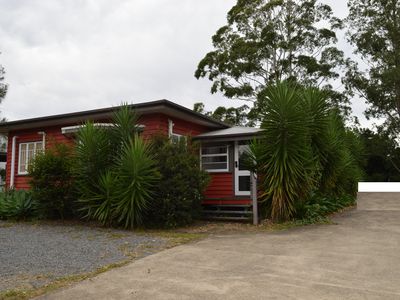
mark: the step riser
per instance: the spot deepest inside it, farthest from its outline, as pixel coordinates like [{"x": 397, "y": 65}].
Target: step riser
[{"x": 228, "y": 212}]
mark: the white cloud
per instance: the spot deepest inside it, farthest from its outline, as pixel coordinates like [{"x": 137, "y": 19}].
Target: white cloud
[{"x": 70, "y": 55}]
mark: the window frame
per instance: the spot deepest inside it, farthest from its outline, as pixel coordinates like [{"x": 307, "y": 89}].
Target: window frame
[
  {"x": 176, "y": 138},
  {"x": 215, "y": 155},
  {"x": 35, "y": 151}
]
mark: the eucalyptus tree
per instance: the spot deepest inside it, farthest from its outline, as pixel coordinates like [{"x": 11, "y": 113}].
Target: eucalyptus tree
[
  {"x": 269, "y": 41},
  {"x": 3, "y": 86},
  {"x": 231, "y": 115},
  {"x": 374, "y": 30}
]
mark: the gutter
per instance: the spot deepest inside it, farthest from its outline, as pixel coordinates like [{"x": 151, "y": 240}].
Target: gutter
[{"x": 12, "y": 167}]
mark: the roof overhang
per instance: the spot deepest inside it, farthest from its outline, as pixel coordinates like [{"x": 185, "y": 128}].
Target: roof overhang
[
  {"x": 230, "y": 134},
  {"x": 160, "y": 106}
]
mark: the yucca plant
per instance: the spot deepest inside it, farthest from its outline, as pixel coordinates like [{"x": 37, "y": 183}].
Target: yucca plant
[
  {"x": 284, "y": 155},
  {"x": 97, "y": 202},
  {"x": 137, "y": 175},
  {"x": 341, "y": 167},
  {"x": 124, "y": 129},
  {"x": 306, "y": 149},
  {"x": 115, "y": 171},
  {"x": 94, "y": 156}
]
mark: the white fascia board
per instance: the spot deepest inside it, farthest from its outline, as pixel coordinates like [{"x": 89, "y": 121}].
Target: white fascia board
[{"x": 75, "y": 128}]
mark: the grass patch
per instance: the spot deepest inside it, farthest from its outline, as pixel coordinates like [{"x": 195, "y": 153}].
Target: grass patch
[{"x": 6, "y": 224}]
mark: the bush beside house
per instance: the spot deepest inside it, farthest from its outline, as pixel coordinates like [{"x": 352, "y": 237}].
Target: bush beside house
[
  {"x": 306, "y": 152},
  {"x": 52, "y": 182},
  {"x": 16, "y": 205},
  {"x": 115, "y": 172},
  {"x": 180, "y": 190}
]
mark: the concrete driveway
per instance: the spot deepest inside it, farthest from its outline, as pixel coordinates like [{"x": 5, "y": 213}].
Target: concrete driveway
[{"x": 357, "y": 258}]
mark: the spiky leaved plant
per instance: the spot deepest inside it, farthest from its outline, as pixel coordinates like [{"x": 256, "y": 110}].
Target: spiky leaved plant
[
  {"x": 115, "y": 171},
  {"x": 284, "y": 159},
  {"x": 137, "y": 176}
]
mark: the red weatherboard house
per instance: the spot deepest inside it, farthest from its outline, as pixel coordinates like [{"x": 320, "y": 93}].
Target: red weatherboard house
[{"x": 220, "y": 153}]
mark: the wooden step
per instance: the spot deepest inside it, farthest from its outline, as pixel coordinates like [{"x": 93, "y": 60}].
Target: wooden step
[
  {"x": 227, "y": 212},
  {"x": 231, "y": 212},
  {"x": 230, "y": 218}
]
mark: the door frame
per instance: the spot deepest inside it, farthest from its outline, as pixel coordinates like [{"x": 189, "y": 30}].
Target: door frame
[{"x": 238, "y": 172}]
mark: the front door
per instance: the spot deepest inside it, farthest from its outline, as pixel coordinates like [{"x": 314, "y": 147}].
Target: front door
[{"x": 242, "y": 174}]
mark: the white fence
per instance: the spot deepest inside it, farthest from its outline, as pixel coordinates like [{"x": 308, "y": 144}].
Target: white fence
[{"x": 388, "y": 187}]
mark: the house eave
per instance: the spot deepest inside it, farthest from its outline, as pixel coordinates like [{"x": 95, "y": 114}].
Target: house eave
[{"x": 159, "y": 106}]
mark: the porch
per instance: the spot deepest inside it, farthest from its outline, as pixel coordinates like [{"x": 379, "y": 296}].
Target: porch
[{"x": 222, "y": 154}]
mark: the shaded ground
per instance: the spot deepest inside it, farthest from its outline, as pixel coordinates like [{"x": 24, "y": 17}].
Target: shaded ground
[
  {"x": 357, "y": 257},
  {"x": 32, "y": 255}
]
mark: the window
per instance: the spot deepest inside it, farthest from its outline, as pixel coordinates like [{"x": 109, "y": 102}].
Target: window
[
  {"x": 215, "y": 158},
  {"x": 27, "y": 152},
  {"x": 175, "y": 138}
]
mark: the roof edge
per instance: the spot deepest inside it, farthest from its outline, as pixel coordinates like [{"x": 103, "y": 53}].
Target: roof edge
[{"x": 109, "y": 110}]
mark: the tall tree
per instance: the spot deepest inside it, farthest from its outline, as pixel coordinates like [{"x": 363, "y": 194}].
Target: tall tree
[
  {"x": 3, "y": 86},
  {"x": 374, "y": 29},
  {"x": 382, "y": 156},
  {"x": 268, "y": 41},
  {"x": 231, "y": 115}
]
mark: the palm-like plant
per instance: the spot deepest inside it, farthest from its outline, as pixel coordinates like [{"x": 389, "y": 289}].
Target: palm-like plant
[
  {"x": 97, "y": 202},
  {"x": 285, "y": 156},
  {"x": 137, "y": 175},
  {"x": 115, "y": 171},
  {"x": 306, "y": 148}
]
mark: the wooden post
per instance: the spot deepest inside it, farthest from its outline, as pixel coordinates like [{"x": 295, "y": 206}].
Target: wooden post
[{"x": 253, "y": 180}]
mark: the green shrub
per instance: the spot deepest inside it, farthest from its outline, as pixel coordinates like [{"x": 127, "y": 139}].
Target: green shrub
[
  {"x": 284, "y": 154},
  {"x": 17, "y": 205},
  {"x": 52, "y": 182},
  {"x": 137, "y": 177},
  {"x": 305, "y": 149},
  {"x": 115, "y": 172},
  {"x": 318, "y": 207},
  {"x": 179, "y": 193}
]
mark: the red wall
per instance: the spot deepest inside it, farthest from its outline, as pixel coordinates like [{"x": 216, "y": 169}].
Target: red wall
[
  {"x": 154, "y": 123},
  {"x": 219, "y": 191}
]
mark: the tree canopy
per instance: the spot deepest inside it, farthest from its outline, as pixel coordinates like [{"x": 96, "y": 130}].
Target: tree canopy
[
  {"x": 3, "y": 86},
  {"x": 231, "y": 115},
  {"x": 269, "y": 41},
  {"x": 374, "y": 30}
]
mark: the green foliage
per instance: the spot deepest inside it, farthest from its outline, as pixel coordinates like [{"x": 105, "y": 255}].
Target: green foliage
[
  {"x": 96, "y": 201},
  {"x": 52, "y": 181},
  {"x": 374, "y": 28},
  {"x": 316, "y": 209},
  {"x": 3, "y": 86},
  {"x": 382, "y": 157},
  {"x": 94, "y": 157},
  {"x": 305, "y": 149},
  {"x": 232, "y": 115},
  {"x": 115, "y": 172},
  {"x": 16, "y": 205},
  {"x": 268, "y": 41},
  {"x": 179, "y": 193},
  {"x": 137, "y": 176},
  {"x": 284, "y": 155}
]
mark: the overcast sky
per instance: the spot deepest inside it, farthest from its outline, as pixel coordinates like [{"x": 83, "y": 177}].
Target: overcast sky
[{"x": 70, "y": 55}]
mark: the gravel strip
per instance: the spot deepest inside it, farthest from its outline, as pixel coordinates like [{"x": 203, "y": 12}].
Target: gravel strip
[{"x": 32, "y": 255}]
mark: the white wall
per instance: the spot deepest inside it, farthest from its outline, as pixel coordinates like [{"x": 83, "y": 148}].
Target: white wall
[{"x": 379, "y": 187}]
